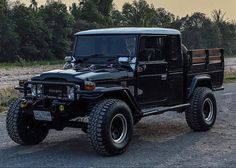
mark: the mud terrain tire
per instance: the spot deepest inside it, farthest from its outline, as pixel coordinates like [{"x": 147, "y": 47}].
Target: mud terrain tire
[
  {"x": 24, "y": 129},
  {"x": 201, "y": 115},
  {"x": 110, "y": 127}
]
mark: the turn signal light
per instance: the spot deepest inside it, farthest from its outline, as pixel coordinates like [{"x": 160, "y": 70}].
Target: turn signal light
[
  {"x": 61, "y": 108},
  {"x": 89, "y": 86}
]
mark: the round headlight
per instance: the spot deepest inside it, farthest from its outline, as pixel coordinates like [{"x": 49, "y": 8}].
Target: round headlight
[
  {"x": 71, "y": 93},
  {"x": 36, "y": 89},
  {"x": 33, "y": 90},
  {"x": 39, "y": 89}
]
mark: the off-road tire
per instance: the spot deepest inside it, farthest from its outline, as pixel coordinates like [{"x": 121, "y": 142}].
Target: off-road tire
[
  {"x": 100, "y": 125},
  {"x": 195, "y": 113},
  {"x": 23, "y": 129}
]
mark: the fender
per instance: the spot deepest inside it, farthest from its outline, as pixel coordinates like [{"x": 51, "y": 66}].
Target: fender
[
  {"x": 116, "y": 92},
  {"x": 199, "y": 80}
]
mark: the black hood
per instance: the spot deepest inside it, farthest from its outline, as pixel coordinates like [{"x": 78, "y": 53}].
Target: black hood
[{"x": 74, "y": 76}]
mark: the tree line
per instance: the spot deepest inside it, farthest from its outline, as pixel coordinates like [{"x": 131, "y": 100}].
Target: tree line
[{"x": 46, "y": 32}]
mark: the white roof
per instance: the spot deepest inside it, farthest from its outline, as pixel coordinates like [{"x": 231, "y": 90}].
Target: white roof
[{"x": 130, "y": 30}]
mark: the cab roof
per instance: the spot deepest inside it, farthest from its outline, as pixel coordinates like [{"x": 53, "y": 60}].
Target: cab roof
[{"x": 130, "y": 30}]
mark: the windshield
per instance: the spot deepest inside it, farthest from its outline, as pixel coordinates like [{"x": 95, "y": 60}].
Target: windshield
[{"x": 101, "y": 48}]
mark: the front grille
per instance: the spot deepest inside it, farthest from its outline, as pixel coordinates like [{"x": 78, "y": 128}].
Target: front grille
[{"x": 58, "y": 91}]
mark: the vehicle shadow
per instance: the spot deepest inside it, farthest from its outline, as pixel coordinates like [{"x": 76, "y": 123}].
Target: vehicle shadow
[{"x": 155, "y": 140}]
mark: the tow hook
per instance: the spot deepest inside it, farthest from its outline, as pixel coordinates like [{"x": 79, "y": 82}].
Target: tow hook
[{"x": 24, "y": 104}]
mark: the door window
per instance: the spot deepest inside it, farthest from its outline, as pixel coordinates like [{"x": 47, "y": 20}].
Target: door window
[
  {"x": 152, "y": 49},
  {"x": 174, "y": 47}
]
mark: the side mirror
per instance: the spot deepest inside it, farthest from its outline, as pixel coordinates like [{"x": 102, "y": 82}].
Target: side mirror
[
  {"x": 123, "y": 60},
  {"x": 68, "y": 59},
  {"x": 68, "y": 64}
]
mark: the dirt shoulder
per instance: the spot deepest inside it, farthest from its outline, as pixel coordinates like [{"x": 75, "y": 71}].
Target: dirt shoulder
[{"x": 10, "y": 76}]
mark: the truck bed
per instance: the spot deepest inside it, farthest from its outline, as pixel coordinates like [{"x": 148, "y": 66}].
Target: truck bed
[{"x": 207, "y": 62}]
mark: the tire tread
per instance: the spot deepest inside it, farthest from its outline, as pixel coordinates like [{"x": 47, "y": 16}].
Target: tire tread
[
  {"x": 95, "y": 127},
  {"x": 193, "y": 115}
]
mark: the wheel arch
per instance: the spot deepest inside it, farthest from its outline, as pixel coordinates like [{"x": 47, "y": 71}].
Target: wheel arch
[
  {"x": 120, "y": 93},
  {"x": 124, "y": 95},
  {"x": 199, "y": 81}
]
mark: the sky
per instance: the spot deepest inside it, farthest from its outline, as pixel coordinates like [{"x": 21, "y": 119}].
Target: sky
[{"x": 179, "y": 7}]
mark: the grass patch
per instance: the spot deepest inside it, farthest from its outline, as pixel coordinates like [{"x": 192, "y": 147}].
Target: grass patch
[
  {"x": 7, "y": 95},
  {"x": 230, "y": 77},
  {"x": 31, "y": 64}
]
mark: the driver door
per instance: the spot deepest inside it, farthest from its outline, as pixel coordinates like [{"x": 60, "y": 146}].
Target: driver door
[{"x": 152, "y": 71}]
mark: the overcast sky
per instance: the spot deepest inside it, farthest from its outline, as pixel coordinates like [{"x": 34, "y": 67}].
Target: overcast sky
[{"x": 179, "y": 7}]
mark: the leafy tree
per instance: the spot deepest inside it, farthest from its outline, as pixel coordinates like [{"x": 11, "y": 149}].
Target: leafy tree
[
  {"x": 163, "y": 18},
  {"x": 34, "y": 5},
  {"x": 60, "y": 25},
  {"x": 31, "y": 31},
  {"x": 227, "y": 30},
  {"x": 96, "y": 12},
  {"x": 46, "y": 32},
  {"x": 117, "y": 18},
  {"x": 74, "y": 10},
  {"x": 82, "y": 25},
  {"x": 104, "y": 7},
  {"x": 139, "y": 13},
  {"x": 89, "y": 11},
  {"x": 218, "y": 16},
  {"x": 199, "y": 32},
  {"x": 9, "y": 40}
]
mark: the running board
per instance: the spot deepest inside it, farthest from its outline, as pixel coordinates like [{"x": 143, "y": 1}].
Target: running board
[{"x": 159, "y": 110}]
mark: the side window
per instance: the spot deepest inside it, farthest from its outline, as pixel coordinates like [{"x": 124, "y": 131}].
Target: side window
[
  {"x": 152, "y": 49},
  {"x": 174, "y": 48}
]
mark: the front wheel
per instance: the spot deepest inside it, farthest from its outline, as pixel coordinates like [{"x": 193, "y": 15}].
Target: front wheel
[
  {"x": 201, "y": 115},
  {"x": 110, "y": 127},
  {"x": 24, "y": 129}
]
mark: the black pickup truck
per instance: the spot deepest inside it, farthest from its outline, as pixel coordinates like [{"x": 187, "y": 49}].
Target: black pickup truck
[{"x": 113, "y": 79}]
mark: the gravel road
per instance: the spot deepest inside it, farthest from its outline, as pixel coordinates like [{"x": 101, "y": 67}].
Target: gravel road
[{"x": 158, "y": 141}]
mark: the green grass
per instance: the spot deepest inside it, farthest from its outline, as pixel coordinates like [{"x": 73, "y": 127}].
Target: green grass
[
  {"x": 230, "y": 77},
  {"x": 6, "y": 96},
  {"x": 31, "y": 64}
]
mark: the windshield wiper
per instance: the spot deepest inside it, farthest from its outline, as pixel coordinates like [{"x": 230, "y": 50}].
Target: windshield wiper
[{"x": 86, "y": 58}]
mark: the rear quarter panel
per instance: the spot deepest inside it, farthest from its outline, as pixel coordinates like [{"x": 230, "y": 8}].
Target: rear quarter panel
[{"x": 214, "y": 70}]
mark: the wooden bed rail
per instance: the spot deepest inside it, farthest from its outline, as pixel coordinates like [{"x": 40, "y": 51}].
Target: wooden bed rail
[{"x": 207, "y": 56}]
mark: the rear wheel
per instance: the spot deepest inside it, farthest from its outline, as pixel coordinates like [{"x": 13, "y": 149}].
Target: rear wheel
[
  {"x": 24, "y": 129},
  {"x": 110, "y": 127},
  {"x": 201, "y": 115}
]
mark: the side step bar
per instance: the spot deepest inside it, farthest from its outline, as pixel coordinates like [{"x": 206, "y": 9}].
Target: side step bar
[{"x": 159, "y": 110}]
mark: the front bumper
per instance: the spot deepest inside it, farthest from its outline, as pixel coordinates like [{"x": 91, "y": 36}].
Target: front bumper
[
  {"x": 53, "y": 84},
  {"x": 59, "y": 118},
  {"x": 58, "y": 109}
]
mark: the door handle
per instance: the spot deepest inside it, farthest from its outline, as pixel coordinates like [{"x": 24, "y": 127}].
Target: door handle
[{"x": 163, "y": 76}]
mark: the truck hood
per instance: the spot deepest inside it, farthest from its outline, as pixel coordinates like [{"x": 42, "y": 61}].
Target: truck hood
[{"x": 74, "y": 76}]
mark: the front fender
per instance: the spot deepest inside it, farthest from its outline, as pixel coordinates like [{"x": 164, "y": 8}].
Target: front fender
[{"x": 116, "y": 92}]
